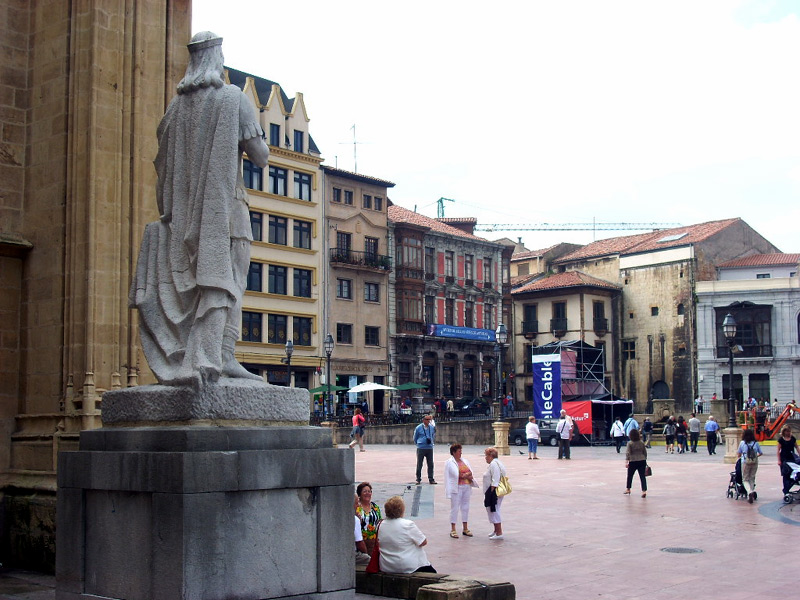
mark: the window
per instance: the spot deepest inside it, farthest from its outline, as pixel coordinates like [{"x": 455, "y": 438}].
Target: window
[
  {"x": 253, "y": 175},
  {"x": 599, "y": 314},
  {"x": 469, "y": 265},
  {"x": 430, "y": 309},
  {"x": 257, "y": 225},
  {"x": 298, "y": 141},
  {"x": 558, "y": 324},
  {"x": 530, "y": 318},
  {"x": 276, "y": 329},
  {"x": 449, "y": 311},
  {"x": 371, "y": 248},
  {"x": 251, "y": 326},
  {"x": 372, "y": 336},
  {"x": 488, "y": 314},
  {"x": 302, "y": 234},
  {"x": 681, "y": 309},
  {"x": 628, "y": 350},
  {"x": 274, "y": 134},
  {"x": 343, "y": 241},
  {"x": 277, "y": 181},
  {"x": 487, "y": 270},
  {"x": 302, "y": 283},
  {"x": 277, "y": 230},
  {"x": 653, "y": 311},
  {"x": 372, "y": 292},
  {"x": 344, "y": 333},
  {"x": 301, "y": 331},
  {"x": 254, "y": 277},
  {"x": 523, "y": 269},
  {"x": 410, "y": 305},
  {"x": 348, "y": 197},
  {"x": 277, "y": 280},
  {"x": 762, "y": 275},
  {"x": 337, "y": 195},
  {"x": 367, "y": 201},
  {"x": 344, "y": 289},
  {"x": 378, "y": 203},
  {"x": 409, "y": 255},
  {"x": 430, "y": 259},
  {"x": 469, "y": 314},
  {"x": 448, "y": 263},
  {"x": 559, "y": 310},
  {"x": 302, "y": 186},
  {"x": 753, "y": 330}
]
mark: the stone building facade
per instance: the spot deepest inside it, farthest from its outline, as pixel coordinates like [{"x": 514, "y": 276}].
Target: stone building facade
[
  {"x": 448, "y": 299},
  {"x": 84, "y": 87},
  {"x": 357, "y": 267},
  {"x": 762, "y": 292},
  {"x": 656, "y": 353}
]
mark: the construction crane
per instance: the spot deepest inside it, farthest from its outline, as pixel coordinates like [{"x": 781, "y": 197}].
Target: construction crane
[
  {"x": 593, "y": 226},
  {"x": 440, "y": 207}
]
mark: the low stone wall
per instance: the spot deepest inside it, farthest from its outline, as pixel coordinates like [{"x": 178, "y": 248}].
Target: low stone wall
[
  {"x": 468, "y": 433},
  {"x": 431, "y": 586}
]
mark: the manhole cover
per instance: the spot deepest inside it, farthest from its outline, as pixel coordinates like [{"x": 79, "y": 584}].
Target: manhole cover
[{"x": 682, "y": 550}]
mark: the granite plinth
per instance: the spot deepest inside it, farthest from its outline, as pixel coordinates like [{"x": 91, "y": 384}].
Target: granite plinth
[{"x": 227, "y": 402}]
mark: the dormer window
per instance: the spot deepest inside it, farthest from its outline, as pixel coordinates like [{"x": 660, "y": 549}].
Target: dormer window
[{"x": 298, "y": 141}]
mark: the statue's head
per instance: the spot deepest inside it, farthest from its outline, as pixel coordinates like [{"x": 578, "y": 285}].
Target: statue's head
[{"x": 206, "y": 63}]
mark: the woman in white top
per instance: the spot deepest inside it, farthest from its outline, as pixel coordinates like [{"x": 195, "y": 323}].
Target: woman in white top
[
  {"x": 491, "y": 479},
  {"x": 532, "y": 434},
  {"x": 458, "y": 484},
  {"x": 401, "y": 541}
]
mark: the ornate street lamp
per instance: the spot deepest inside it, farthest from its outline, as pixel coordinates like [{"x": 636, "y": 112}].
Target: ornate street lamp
[
  {"x": 328, "y": 346},
  {"x": 501, "y": 335},
  {"x": 289, "y": 351},
  {"x": 729, "y": 329}
]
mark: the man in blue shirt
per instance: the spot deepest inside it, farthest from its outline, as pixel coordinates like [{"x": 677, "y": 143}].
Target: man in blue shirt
[
  {"x": 424, "y": 438},
  {"x": 630, "y": 425},
  {"x": 711, "y": 434}
]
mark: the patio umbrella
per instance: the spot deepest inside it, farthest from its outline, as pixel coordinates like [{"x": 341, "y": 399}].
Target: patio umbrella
[
  {"x": 327, "y": 388},
  {"x": 411, "y": 386},
  {"x": 369, "y": 386}
]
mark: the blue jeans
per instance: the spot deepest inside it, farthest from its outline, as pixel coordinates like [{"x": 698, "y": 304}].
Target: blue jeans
[{"x": 533, "y": 445}]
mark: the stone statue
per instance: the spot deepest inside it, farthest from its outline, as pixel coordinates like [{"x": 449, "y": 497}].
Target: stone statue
[{"x": 193, "y": 263}]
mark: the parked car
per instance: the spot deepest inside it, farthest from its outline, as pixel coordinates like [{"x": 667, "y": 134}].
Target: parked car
[
  {"x": 547, "y": 431},
  {"x": 473, "y": 406}
]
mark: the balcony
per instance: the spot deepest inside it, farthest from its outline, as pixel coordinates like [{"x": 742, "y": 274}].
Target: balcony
[
  {"x": 357, "y": 259},
  {"x": 469, "y": 283},
  {"x": 530, "y": 329},
  {"x": 600, "y": 326},
  {"x": 410, "y": 327},
  {"x": 558, "y": 327},
  {"x": 751, "y": 351}
]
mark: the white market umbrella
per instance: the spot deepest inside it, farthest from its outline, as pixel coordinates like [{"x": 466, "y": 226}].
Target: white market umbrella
[{"x": 369, "y": 386}]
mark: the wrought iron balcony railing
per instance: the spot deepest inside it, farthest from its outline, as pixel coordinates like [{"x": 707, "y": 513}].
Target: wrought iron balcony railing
[{"x": 356, "y": 258}]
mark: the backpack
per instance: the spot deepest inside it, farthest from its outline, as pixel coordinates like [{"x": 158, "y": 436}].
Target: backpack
[{"x": 751, "y": 456}]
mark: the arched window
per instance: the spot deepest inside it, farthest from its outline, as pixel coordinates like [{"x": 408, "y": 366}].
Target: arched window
[{"x": 680, "y": 309}]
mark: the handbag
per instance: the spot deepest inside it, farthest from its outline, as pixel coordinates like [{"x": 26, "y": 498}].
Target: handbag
[
  {"x": 504, "y": 487},
  {"x": 648, "y": 471},
  {"x": 374, "y": 565}
]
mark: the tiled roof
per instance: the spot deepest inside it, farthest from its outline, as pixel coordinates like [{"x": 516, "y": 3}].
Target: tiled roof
[
  {"x": 459, "y": 220},
  {"x": 763, "y": 260},
  {"x": 645, "y": 242},
  {"x": 531, "y": 253},
  {"x": 398, "y": 214},
  {"x": 566, "y": 280},
  {"x": 357, "y": 176}
]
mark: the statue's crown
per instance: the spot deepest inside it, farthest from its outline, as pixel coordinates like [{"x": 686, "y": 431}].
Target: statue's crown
[{"x": 203, "y": 44}]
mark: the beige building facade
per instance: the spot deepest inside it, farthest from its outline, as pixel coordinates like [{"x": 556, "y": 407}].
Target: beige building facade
[{"x": 83, "y": 88}]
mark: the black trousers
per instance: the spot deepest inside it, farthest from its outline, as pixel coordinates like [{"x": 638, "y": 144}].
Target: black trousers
[
  {"x": 694, "y": 437},
  {"x": 427, "y": 454},
  {"x": 633, "y": 466},
  {"x": 711, "y": 441},
  {"x": 618, "y": 440},
  {"x": 563, "y": 448}
]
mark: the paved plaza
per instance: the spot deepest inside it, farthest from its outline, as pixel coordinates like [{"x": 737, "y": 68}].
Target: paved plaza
[{"x": 570, "y": 533}]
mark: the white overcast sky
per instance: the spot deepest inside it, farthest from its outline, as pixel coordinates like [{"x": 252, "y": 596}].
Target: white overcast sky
[{"x": 546, "y": 110}]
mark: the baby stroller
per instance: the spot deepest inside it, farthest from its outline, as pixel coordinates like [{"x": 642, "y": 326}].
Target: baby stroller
[
  {"x": 791, "y": 476},
  {"x": 735, "y": 485}
]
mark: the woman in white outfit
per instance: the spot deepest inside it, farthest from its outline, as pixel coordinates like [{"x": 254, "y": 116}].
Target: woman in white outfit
[
  {"x": 458, "y": 484},
  {"x": 401, "y": 542},
  {"x": 491, "y": 479}
]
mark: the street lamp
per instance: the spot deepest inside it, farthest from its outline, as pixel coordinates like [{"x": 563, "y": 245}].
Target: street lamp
[
  {"x": 289, "y": 351},
  {"x": 729, "y": 329},
  {"x": 501, "y": 334},
  {"x": 328, "y": 346}
]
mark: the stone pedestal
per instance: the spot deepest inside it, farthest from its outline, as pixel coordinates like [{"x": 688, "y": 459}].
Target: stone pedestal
[
  {"x": 733, "y": 436},
  {"x": 206, "y": 512},
  {"x": 501, "y": 437}
]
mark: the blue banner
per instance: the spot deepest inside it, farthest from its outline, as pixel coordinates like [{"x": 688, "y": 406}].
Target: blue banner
[
  {"x": 464, "y": 333},
  {"x": 547, "y": 386}
]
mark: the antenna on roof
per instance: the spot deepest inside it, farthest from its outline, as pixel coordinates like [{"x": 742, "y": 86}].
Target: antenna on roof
[{"x": 355, "y": 149}]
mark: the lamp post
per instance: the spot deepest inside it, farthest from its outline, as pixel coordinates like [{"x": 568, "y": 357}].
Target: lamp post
[
  {"x": 289, "y": 351},
  {"x": 501, "y": 334},
  {"x": 729, "y": 329},
  {"x": 328, "y": 346}
]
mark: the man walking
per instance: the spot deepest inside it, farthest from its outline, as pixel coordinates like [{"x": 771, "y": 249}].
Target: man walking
[
  {"x": 424, "y": 437},
  {"x": 694, "y": 431},
  {"x": 647, "y": 431},
  {"x": 630, "y": 425},
  {"x": 618, "y": 433},
  {"x": 711, "y": 434},
  {"x": 564, "y": 431}
]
